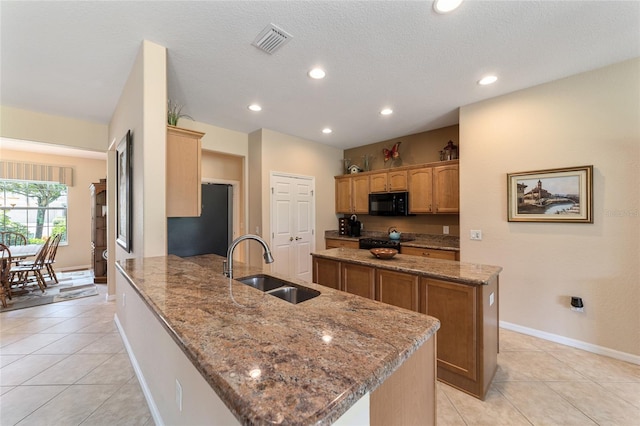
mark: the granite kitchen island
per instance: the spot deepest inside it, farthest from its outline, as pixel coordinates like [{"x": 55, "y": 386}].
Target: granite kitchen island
[
  {"x": 210, "y": 350},
  {"x": 463, "y": 296}
]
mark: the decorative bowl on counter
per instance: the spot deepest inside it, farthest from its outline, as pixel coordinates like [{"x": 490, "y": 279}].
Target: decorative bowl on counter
[{"x": 383, "y": 253}]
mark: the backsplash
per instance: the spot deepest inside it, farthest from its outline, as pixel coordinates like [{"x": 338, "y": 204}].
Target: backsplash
[{"x": 420, "y": 224}]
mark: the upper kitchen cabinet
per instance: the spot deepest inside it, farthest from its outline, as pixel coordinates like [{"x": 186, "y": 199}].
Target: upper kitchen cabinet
[
  {"x": 434, "y": 189},
  {"x": 446, "y": 192},
  {"x": 352, "y": 194},
  {"x": 184, "y": 150},
  {"x": 421, "y": 190},
  {"x": 391, "y": 181}
]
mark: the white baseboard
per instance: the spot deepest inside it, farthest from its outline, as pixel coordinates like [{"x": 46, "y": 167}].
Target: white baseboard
[
  {"x": 155, "y": 413},
  {"x": 589, "y": 347},
  {"x": 74, "y": 268},
  {"x": 110, "y": 297}
]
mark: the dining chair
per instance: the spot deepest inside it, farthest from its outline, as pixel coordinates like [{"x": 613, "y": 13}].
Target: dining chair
[
  {"x": 5, "y": 270},
  {"x": 11, "y": 238},
  {"x": 20, "y": 273},
  {"x": 51, "y": 257}
]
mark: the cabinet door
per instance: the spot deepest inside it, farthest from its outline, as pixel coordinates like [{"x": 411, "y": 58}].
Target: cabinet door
[
  {"x": 446, "y": 189},
  {"x": 183, "y": 172},
  {"x": 378, "y": 182},
  {"x": 420, "y": 190},
  {"x": 455, "y": 306},
  {"x": 360, "y": 194},
  {"x": 343, "y": 195},
  {"x": 326, "y": 272},
  {"x": 397, "y": 288},
  {"x": 358, "y": 279},
  {"x": 430, "y": 253},
  {"x": 397, "y": 180}
]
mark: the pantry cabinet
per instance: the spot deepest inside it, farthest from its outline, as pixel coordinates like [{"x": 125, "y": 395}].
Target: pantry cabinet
[
  {"x": 352, "y": 194},
  {"x": 183, "y": 172}
]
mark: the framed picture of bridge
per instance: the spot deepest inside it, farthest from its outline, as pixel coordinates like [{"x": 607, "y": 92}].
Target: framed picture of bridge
[{"x": 553, "y": 195}]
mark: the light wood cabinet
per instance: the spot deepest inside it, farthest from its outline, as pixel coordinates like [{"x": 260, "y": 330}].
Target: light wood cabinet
[
  {"x": 434, "y": 189},
  {"x": 352, "y": 194},
  {"x": 99, "y": 230},
  {"x": 446, "y": 192},
  {"x": 397, "y": 180},
  {"x": 378, "y": 182},
  {"x": 421, "y": 190},
  {"x": 326, "y": 272},
  {"x": 337, "y": 243},
  {"x": 468, "y": 335},
  {"x": 467, "y": 348},
  {"x": 358, "y": 279},
  {"x": 397, "y": 289},
  {"x": 183, "y": 172},
  {"x": 392, "y": 181},
  {"x": 430, "y": 253}
]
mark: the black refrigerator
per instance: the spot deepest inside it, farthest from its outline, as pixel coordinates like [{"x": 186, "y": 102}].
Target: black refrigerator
[{"x": 212, "y": 232}]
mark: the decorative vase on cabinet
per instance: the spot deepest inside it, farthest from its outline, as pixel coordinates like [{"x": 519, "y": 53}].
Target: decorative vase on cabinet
[{"x": 99, "y": 230}]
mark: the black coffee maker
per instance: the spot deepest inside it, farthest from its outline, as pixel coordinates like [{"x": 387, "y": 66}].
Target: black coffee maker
[{"x": 354, "y": 226}]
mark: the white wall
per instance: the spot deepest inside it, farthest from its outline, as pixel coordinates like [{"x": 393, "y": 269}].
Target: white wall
[
  {"x": 142, "y": 109},
  {"x": 278, "y": 152},
  {"x": 591, "y": 118}
]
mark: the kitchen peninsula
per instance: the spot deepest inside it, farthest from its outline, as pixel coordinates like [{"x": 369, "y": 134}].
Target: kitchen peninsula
[
  {"x": 463, "y": 296},
  {"x": 210, "y": 350}
]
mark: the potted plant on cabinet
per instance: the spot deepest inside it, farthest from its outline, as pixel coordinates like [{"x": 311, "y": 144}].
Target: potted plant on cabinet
[{"x": 174, "y": 113}]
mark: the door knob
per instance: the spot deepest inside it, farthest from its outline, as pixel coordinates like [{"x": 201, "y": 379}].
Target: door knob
[
  {"x": 290, "y": 238},
  {"x": 298, "y": 238}
]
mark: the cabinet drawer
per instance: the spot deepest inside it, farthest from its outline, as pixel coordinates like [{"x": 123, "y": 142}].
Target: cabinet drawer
[
  {"x": 336, "y": 243},
  {"x": 430, "y": 253}
]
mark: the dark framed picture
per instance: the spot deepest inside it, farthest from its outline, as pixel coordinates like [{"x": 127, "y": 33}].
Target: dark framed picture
[
  {"x": 124, "y": 198},
  {"x": 553, "y": 195}
]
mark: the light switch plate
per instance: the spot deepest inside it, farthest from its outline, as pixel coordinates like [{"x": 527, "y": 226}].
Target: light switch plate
[{"x": 476, "y": 234}]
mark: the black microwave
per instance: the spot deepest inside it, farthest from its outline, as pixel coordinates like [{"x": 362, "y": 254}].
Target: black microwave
[{"x": 389, "y": 204}]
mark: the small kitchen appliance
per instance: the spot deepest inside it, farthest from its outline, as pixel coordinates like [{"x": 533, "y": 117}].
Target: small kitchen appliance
[{"x": 354, "y": 226}]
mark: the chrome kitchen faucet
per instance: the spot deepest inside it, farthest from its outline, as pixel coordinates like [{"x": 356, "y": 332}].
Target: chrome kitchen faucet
[{"x": 227, "y": 265}]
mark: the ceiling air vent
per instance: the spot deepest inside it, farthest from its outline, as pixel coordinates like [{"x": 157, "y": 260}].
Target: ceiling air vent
[{"x": 271, "y": 39}]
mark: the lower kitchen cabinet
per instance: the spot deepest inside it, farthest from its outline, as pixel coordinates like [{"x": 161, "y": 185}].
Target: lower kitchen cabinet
[
  {"x": 358, "y": 279},
  {"x": 430, "y": 253},
  {"x": 337, "y": 243},
  {"x": 468, "y": 335},
  {"x": 326, "y": 272},
  {"x": 467, "y": 348},
  {"x": 397, "y": 288}
]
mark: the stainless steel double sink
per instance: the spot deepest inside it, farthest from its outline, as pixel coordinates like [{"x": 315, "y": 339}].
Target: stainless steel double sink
[{"x": 285, "y": 290}]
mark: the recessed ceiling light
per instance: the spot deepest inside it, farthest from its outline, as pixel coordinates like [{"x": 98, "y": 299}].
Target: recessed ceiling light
[
  {"x": 446, "y": 6},
  {"x": 386, "y": 111},
  {"x": 490, "y": 79},
  {"x": 326, "y": 130},
  {"x": 317, "y": 73},
  {"x": 255, "y": 107}
]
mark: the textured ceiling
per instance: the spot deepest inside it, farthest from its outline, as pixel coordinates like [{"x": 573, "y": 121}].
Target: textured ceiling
[{"x": 73, "y": 58}]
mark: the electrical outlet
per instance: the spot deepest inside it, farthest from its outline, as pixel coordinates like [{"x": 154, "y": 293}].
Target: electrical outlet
[
  {"x": 476, "y": 234},
  {"x": 178, "y": 395},
  {"x": 492, "y": 298},
  {"x": 445, "y": 230}
]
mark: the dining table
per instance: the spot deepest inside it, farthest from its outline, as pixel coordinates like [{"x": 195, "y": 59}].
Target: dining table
[{"x": 25, "y": 251}]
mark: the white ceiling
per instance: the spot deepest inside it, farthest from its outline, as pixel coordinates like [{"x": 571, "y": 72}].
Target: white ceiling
[{"x": 73, "y": 58}]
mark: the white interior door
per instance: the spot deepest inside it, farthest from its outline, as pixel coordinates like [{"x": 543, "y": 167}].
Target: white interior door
[{"x": 292, "y": 224}]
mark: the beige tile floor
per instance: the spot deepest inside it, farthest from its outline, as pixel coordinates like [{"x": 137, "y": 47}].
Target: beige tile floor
[{"x": 64, "y": 364}]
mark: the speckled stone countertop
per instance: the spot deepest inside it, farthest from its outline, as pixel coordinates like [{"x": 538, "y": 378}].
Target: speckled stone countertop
[
  {"x": 450, "y": 270},
  {"x": 438, "y": 242},
  {"x": 270, "y": 361}
]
